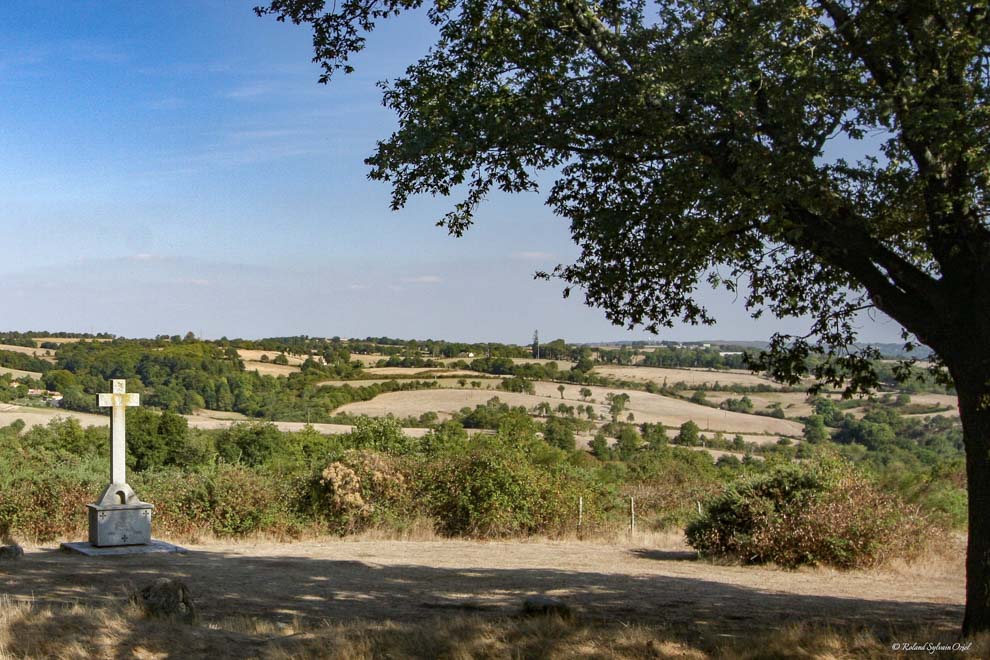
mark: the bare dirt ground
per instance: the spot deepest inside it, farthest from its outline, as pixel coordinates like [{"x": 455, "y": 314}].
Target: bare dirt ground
[{"x": 623, "y": 583}]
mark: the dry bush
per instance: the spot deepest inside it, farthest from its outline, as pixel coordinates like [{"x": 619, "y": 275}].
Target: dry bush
[
  {"x": 365, "y": 489},
  {"x": 819, "y": 513}
]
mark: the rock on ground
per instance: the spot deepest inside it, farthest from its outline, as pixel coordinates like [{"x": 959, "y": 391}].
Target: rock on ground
[
  {"x": 167, "y": 599},
  {"x": 11, "y": 551},
  {"x": 543, "y": 605}
]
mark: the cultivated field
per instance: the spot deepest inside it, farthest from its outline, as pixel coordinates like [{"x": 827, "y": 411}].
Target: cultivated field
[
  {"x": 442, "y": 381},
  {"x": 369, "y": 359},
  {"x": 269, "y": 369},
  {"x": 41, "y": 416},
  {"x": 26, "y": 350},
  {"x": 635, "y": 598},
  {"x": 255, "y": 356},
  {"x": 404, "y": 371},
  {"x": 689, "y": 376},
  {"x": 644, "y": 406},
  {"x": 203, "y": 419},
  {"x": 794, "y": 404},
  {"x": 17, "y": 373},
  {"x": 65, "y": 340}
]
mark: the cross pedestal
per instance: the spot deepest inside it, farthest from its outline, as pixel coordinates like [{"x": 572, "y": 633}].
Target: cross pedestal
[{"x": 118, "y": 517}]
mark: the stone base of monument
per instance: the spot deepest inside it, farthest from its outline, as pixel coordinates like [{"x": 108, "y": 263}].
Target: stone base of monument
[
  {"x": 153, "y": 546},
  {"x": 119, "y": 524}
]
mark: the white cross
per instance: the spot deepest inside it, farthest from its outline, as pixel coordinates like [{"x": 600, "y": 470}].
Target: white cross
[{"x": 118, "y": 400}]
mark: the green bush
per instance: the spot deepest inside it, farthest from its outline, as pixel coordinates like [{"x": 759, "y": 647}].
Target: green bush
[
  {"x": 225, "y": 500},
  {"x": 823, "y": 512},
  {"x": 492, "y": 490}
]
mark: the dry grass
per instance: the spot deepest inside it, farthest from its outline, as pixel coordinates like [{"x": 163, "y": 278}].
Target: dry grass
[
  {"x": 446, "y": 380},
  {"x": 405, "y": 371},
  {"x": 17, "y": 373},
  {"x": 26, "y": 350},
  {"x": 249, "y": 355},
  {"x": 645, "y": 407},
  {"x": 269, "y": 369},
  {"x": 66, "y": 340},
  {"x": 689, "y": 376},
  {"x": 369, "y": 359},
  {"x": 42, "y": 416},
  {"x": 28, "y": 630},
  {"x": 361, "y": 597}
]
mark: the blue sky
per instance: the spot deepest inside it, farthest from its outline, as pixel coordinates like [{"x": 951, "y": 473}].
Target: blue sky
[{"x": 175, "y": 166}]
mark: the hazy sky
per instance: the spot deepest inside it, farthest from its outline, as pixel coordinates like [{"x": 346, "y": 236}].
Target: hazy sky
[{"x": 175, "y": 166}]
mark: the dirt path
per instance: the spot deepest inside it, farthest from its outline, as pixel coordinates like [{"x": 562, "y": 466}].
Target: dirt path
[{"x": 412, "y": 581}]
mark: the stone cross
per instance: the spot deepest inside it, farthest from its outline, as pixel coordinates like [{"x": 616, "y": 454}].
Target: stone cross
[{"x": 118, "y": 400}]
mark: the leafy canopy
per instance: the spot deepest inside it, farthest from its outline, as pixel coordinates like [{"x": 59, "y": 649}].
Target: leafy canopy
[{"x": 691, "y": 140}]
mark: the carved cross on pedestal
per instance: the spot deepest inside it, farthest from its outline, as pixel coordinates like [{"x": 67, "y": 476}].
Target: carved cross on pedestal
[{"x": 118, "y": 400}]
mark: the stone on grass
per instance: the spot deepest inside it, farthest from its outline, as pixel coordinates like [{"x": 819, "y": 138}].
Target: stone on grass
[
  {"x": 11, "y": 551},
  {"x": 545, "y": 605},
  {"x": 166, "y": 598}
]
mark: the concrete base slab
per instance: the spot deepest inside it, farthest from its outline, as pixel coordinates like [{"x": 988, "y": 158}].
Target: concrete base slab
[{"x": 90, "y": 550}]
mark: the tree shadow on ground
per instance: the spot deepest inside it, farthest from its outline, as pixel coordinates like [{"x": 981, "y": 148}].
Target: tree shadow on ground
[
  {"x": 665, "y": 555},
  {"x": 285, "y": 590}
]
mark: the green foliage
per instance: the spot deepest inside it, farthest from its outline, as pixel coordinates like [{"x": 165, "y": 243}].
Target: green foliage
[
  {"x": 743, "y": 404},
  {"x": 251, "y": 444},
  {"x": 599, "y": 447},
  {"x": 224, "y": 500},
  {"x": 23, "y": 361},
  {"x": 494, "y": 491},
  {"x": 628, "y": 444},
  {"x": 559, "y": 432},
  {"x": 822, "y": 512},
  {"x": 448, "y": 437},
  {"x": 814, "y": 430},
  {"x": 689, "y": 435},
  {"x": 382, "y": 434},
  {"x": 517, "y": 384}
]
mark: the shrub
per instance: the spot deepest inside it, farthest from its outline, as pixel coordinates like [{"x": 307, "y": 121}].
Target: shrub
[
  {"x": 494, "y": 491},
  {"x": 822, "y": 512},
  {"x": 226, "y": 500},
  {"x": 362, "y": 489}
]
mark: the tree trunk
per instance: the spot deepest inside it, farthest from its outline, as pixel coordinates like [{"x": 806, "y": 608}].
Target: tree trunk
[{"x": 974, "y": 408}]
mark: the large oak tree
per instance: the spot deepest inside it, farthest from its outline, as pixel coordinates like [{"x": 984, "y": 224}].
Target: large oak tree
[{"x": 699, "y": 139}]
